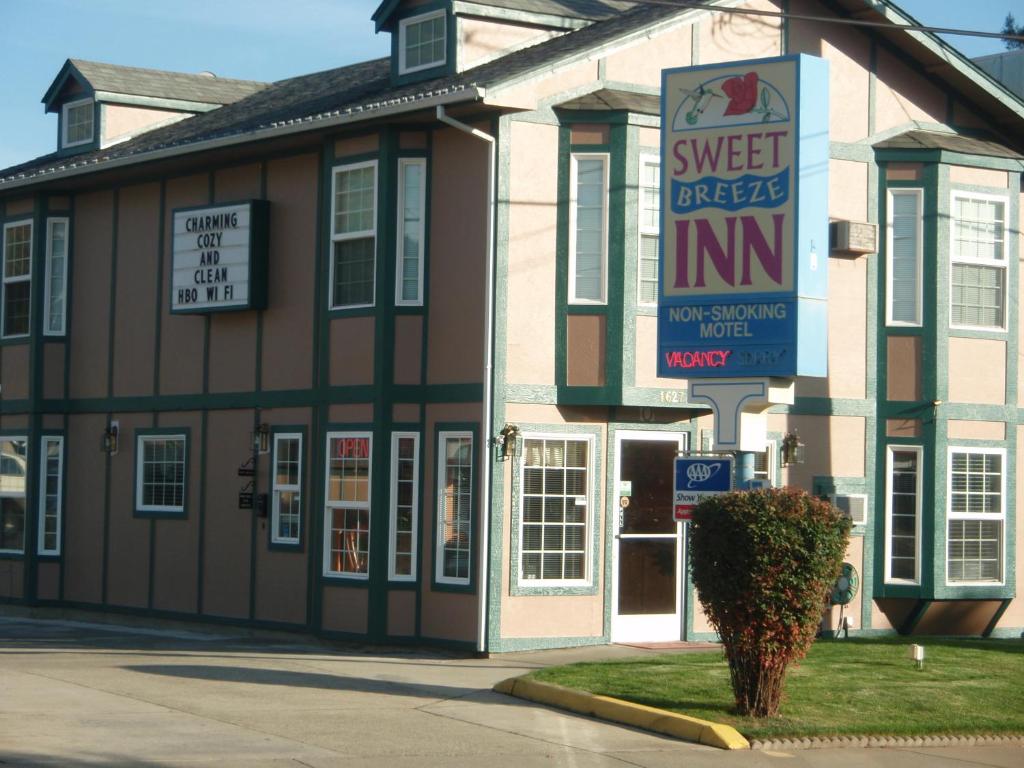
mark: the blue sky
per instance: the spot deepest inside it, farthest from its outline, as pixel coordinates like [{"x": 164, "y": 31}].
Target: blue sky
[{"x": 251, "y": 39}]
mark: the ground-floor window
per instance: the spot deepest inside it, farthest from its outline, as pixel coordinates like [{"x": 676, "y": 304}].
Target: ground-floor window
[
  {"x": 404, "y": 505},
  {"x": 454, "y": 505},
  {"x": 287, "y": 488},
  {"x": 903, "y": 515},
  {"x": 976, "y": 514},
  {"x": 554, "y": 503},
  {"x": 13, "y": 466},
  {"x": 160, "y": 473},
  {"x": 50, "y": 493},
  {"x": 347, "y": 508}
]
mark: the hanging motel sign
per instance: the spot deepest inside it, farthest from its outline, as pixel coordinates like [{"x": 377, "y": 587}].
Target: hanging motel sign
[
  {"x": 220, "y": 258},
  {"x": 744, "y": 219}
]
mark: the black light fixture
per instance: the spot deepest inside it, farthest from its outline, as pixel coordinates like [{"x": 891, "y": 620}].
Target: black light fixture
[
  {"x": 792, "y": 449},
  {"x": 109, "y": 442},
  {"x": 261, "y": 439}
]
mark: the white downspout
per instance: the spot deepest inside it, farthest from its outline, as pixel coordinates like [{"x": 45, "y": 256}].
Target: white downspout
[{"x": 485, "y": 429}]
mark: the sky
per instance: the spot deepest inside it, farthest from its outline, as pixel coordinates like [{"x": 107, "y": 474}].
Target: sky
[{"x": 253, "y": 40}]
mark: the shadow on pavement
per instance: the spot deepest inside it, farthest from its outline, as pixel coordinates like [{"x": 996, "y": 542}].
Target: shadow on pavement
[{"x": 294, "y": 679}]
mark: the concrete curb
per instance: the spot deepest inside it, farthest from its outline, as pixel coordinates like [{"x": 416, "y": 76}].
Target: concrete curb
[{"x": 615, "y": 710}]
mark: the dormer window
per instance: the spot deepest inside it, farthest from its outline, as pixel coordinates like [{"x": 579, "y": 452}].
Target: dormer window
[
  {"x": 421, "y": 42},
  {"x": 78, "y": 122}
]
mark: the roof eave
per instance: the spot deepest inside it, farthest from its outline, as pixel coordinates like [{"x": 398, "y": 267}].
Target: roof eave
[
  {"x": 298, "y": 125},
  {"x": 66, "y": 71}
]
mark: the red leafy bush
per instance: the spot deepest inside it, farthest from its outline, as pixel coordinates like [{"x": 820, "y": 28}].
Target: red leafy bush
[{"x": 763, "y": 563}]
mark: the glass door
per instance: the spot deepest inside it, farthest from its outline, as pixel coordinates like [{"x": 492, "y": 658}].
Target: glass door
[{"x": 647, "y": 599}]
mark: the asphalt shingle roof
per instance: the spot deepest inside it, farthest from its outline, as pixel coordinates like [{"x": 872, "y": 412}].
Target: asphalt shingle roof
[
  {"x": 593, "y": 10},
  {"x": 352, "y": 89},
  {"x": 135, "y": 81}
]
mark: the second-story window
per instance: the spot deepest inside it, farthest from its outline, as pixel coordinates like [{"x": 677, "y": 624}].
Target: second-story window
[
  {"x": 978, "y": 262},
  {"x": 354, "y": 235},
  {"x": 648, "y": 215},
  {"x": 56, "y": 276},
  {"x": 78, "y": 122},
  {"x": 17, "y": 278},
  {"x": 588, "y": 229},
  {"x": 422, "y": 41},
  {"x": 412, "y": 193},
  {"x": 904, "y": 260}
]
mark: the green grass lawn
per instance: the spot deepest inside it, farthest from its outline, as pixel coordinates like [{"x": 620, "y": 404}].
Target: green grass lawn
[{"x": 842, "y": 688}]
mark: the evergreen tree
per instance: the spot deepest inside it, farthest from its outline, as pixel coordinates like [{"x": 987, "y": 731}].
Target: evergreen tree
[{"x": 1010, "y": 28}]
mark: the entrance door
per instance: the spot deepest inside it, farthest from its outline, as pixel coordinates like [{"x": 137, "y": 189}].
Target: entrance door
[{"x": 647, "y": 600}]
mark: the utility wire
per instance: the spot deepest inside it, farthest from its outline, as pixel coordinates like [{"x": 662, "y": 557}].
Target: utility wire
[{"x": 696, "y": 5}]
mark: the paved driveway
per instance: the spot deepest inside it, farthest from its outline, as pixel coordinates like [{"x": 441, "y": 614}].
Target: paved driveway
[{"x": 77, "y": 693}]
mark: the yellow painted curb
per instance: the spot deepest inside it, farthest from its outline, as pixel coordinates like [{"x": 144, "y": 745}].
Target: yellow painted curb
[{"x": 618, "y": 711}]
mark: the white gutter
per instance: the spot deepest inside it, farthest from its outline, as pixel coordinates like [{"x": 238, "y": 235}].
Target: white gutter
[
  {"x": 488, "y": 406},
  {"x": 273, "y": 131}
]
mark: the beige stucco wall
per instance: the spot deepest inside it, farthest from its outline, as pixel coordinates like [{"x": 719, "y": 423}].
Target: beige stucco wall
[
  {"x": 855, "y": 557},
  {"x": 739, "y": 36},
  {"x": 902, "y": 96},
  {"x": 642, "y": 64},
  {"x": 847, "y": 190},
  {"x": 533, "y": 93},
  {"x": 647, "y": 357},
  {"x": 977, "y": 370},
  {"x": 480, "y": 40},
  {"x": 532, "y": 220},
  {"x": 120, "y": 122},
  {"x": 976, "y": 430},
  {"x": 982, "y": 177},
  {"x": 835, "y": 445}
]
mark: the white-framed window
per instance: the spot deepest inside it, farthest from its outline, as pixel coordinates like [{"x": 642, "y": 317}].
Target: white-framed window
[
  {"x": 554, "y": 528},
  {"x": 978, "y": 261},
  {"x": 160, "y": 473},
  {"x": 404, "y": 519},
  {"x": 976, "y": 515},
  {"x": 77, "y": 119},
  {"x": 347, "y": 507},
  {"x": 453, "y": 557},
  {"x": 51, "y": 474},
  {"x": 412, "y": 205},
  {"x": 17, "y": 278},
  {"x": 353, "y": 235},
  {"x": 55, "y": 299},
  {"x": 904, "y": 257},
  {"x": 286, "y": 517},
  {"x": 422, "y": 42},
  {"x": 904, "y": 467},
  {"x": 648, "y": 215},
  {"x": 13, "y": 474},
  {"x": 588, "y": 229}
]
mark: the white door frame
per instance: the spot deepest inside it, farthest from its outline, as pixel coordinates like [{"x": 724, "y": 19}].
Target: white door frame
[{"x": 654, "y": 627}]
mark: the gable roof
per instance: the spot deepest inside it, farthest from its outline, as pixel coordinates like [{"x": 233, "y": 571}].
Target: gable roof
[
  {"x": 577, "y": 11},
  {"x": 113, "y": 79},
  {"x": 365, "y": 91}
]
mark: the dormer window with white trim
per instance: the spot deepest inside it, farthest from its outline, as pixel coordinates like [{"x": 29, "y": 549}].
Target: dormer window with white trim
[
  {"x": 422, "y": 42},
  {"x": 78, "y": 123}
]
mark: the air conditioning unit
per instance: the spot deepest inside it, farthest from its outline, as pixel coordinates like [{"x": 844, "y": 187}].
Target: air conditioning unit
[
  {"x": 853, "y": 505},
  {"x": 853, "y": 238}
]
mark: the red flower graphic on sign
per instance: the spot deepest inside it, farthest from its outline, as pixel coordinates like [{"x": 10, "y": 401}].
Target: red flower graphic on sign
[{"x": 742, "y": 93}]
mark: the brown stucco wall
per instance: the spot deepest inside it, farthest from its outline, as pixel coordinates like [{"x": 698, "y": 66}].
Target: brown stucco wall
[
  {"x": 345, "y": 609},
  {"x": 904, "y": 368},
  {"x": 352, "y": 340},
  {"x": 89, "y": 287},
  {"x": 401, "y": 613},
  {"x": 288, "y": 319},
  {"x": 83, "y": 523},
  {"x": 128, "y": 542},
  {"x": 181, "y": 336},
  {"x": 53, "y": 370},
  {"x": 408, "y": 350},
  {"x": 585, "y": 350},
  {"x": 138, "y": 245},
  {"x": 48, "y": 581},
  {"x": 458, "y": 255},
  {"x": 14, "y": 371}
]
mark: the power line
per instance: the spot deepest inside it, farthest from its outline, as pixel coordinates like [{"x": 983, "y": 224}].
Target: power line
[{"x": 696, "y": 5}]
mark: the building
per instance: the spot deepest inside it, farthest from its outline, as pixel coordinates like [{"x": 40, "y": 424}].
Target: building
[{"x": 418, "y": 399}]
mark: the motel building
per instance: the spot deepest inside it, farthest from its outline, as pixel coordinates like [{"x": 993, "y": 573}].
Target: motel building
[{"x": 374, "y": 353}]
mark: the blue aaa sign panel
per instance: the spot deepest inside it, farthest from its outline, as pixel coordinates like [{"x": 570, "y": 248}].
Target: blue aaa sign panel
[
  {"x": 744, "y": 219},
  {"x": 696, "y": 479}
]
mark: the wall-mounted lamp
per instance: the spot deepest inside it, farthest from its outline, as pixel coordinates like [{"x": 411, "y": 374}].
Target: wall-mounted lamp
[
  {"x": 109, "y": 443},
  {"x": 261, "y": 439},
  {"x": 792, "y": 450},
  {"x": 507, "y": 440}
]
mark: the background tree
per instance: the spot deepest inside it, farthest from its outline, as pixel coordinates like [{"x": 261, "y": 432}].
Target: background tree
[
  {"x": 1010, "y": 28},
  {"x": 764, "y": 563}
]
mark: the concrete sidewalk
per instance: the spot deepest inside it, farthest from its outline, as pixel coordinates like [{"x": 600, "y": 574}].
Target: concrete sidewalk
[{"x": 79, "y": 693}]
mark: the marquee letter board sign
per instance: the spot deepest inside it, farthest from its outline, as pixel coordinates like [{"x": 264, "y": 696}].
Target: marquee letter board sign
[
  {"x": 220, "y": 258},
  {"x": 743, "y": 283}
]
